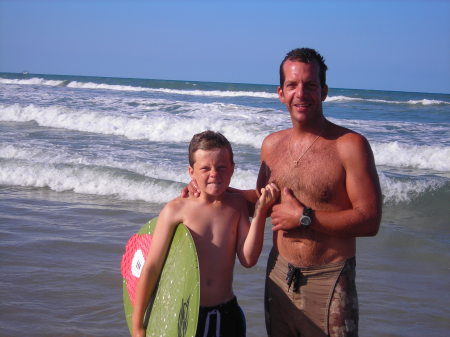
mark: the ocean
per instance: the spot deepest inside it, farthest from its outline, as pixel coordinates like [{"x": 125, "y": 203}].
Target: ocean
[{"x": 86, "y": 161}]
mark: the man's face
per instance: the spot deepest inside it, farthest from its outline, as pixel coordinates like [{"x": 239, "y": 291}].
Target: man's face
[
  {"x": 301, "y": 92},
  {"x": 212, "y": 170}
]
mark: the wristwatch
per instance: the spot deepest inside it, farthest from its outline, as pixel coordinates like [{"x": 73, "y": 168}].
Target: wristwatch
[{"x": 306, "y": 218}]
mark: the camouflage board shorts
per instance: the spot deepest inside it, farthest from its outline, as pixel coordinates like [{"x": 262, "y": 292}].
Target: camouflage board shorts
[{"x": 310, "y": 302}]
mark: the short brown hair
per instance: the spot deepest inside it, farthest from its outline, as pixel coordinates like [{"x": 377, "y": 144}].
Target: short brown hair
[
  {"x": 305, "y": 55},
  {"x": 208, "y": 140}
]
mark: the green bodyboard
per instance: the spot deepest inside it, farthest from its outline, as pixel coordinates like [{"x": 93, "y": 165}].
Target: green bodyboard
[{"x": 173, "y": 310}]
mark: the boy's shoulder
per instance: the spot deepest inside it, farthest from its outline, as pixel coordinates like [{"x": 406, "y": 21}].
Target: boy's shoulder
[
  {"x": 174, "y": 207},
  {"x": 176, "y": 204}
]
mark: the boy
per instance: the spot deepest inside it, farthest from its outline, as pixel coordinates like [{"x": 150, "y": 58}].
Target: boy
[{"x": 220, "y": 227}]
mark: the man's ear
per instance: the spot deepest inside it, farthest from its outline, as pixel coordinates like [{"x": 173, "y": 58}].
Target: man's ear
[
  {"x": 324, "y": 92},
  {"x": 280, "y": 94},
  {"x": 191, "y": 172}
]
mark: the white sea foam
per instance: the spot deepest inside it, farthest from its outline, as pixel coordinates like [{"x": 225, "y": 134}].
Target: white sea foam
[
  {"x": 60, "y": 171},
  {"x": 427, "y": 102},
  {"x": 395, "y": 154},
  {"x": 172, "y": 128},
  {"x": 41, "y": 154},
  {"x": 92, "y": 85},
  {"x": 212, "y": 93},
  {"x": 32, "y": 81},
  {"x": 406, "y": 190},
  {"x": 107, "y": 182},
  {"x": 71, "y": 171},
  {"x": 219, "y": 93},
  {"x": 105, "y": 86},
  {"x": 390, "y": 131},
  {"x": 87, "y": 181},
  {"x": 341, "y": 98}
]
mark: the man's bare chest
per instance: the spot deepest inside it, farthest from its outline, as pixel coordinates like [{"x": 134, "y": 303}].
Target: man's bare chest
[{"x": 317, "y": 179}]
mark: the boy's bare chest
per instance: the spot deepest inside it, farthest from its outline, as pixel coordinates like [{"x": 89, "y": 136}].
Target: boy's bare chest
[{"x": 217, "y": 225}]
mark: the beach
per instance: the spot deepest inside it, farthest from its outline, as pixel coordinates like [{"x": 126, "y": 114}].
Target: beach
[{"x": 86, "y": 161}]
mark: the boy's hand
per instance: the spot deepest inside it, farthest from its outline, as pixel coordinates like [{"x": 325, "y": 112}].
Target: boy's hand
[
  {"x": 268, "y": 197},
  {"x": 139, "y": 332},
  {"x": 190, "y": 190},
  {"x": 286, "y": 215}
]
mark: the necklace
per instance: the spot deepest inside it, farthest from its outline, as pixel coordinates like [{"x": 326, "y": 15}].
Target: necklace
[{"x": 307, "y": 149}]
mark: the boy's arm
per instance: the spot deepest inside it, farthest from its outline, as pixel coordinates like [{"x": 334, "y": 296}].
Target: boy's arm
[
  {"x": 165, "y": 227},
  {"x": 251, "y": 237}
]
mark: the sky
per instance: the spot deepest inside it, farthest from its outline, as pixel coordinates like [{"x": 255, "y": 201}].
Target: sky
[{"x": 400, "y": 45}]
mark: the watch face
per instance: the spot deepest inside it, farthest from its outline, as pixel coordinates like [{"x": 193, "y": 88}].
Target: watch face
[{"x": 305, "y": 220}]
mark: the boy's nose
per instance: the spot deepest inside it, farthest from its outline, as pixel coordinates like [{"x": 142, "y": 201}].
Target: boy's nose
[{"x": 213, "y": 172}]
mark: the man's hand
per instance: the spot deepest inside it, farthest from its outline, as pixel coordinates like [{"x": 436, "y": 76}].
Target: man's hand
[
  {"x": 190, "y": 190},
  {"x": 286, "y": 215}
]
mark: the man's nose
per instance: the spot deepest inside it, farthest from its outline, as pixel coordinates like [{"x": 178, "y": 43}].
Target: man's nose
[{"x": 300, "y": 91}]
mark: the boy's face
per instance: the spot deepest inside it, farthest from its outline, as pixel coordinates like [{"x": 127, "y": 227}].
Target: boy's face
[{"x": 212, "y": 170}]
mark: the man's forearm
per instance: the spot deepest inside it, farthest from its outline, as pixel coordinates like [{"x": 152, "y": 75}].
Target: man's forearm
[{"x": 250, "y": 195}]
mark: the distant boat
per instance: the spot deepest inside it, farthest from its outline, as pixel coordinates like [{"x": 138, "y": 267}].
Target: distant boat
[{"x": 25, "y": 72}]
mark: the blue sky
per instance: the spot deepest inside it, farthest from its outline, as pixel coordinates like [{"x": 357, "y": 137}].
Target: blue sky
[{"x": 385, "y": 45}]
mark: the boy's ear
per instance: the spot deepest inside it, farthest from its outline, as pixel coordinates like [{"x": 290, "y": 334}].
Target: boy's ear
[{"x": 191, "y": 172}]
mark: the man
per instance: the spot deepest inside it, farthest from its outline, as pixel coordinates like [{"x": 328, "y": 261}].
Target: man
[{"x": 331, "y": 195}]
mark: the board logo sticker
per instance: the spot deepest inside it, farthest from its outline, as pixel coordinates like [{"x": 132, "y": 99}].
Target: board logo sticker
[
  {"x": 183, "y": 317},
  {"x": 133, "y": 261},
  {"x": 137, "y": 263}
]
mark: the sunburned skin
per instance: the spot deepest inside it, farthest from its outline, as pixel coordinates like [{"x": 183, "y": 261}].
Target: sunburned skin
[
  {"x": 335, "y": 176},
  {"x": 219, "y": 223},
  {"x": 319, "y": 185},
  {"x": 215, "y": 232}
]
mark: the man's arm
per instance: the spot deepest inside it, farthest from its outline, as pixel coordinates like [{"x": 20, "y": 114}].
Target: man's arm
[
  {"x": 363, "y": 190},
  {"x": 251, "y": 196}
]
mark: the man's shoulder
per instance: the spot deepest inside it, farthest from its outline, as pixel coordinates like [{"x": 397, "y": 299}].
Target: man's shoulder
[
  {"x": 347, "y": 137},
  {"x": 275, "y": 138},
  {"x": 344, "y": 135},
  {"x": 351, "y": 144}
]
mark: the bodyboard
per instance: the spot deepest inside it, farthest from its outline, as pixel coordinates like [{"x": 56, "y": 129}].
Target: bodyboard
[{"x": 173, "y": 309}]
